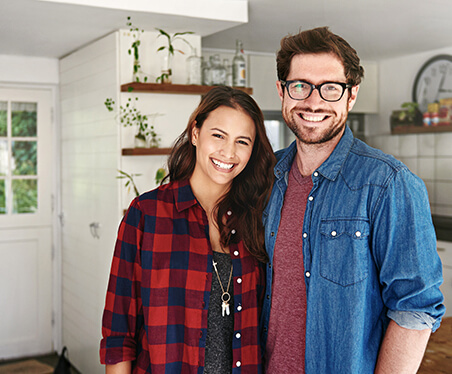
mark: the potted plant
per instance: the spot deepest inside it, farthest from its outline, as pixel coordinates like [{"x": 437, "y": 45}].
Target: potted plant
[
  {"x": 134, "y": 50},
  {"x": 129, "y": 115},
  {"x": 166, "y": 73},
  {"x": 408, "y": 115}
]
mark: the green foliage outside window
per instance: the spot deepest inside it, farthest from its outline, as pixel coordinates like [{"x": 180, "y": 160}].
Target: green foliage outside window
[
  {"x": 3, "y": 129},
  {"x": 2, "y": 197},
  {"x": 25, "y": 195},
  {"x": 25, "y": 157},
  {"x": 23, "y": 123}
]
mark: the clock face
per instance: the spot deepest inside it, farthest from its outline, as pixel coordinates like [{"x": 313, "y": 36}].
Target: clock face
[{"x": 433, "y": 82}]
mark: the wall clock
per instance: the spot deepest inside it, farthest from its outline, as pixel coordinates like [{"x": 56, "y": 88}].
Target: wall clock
[{"x": 433, "y": 81}]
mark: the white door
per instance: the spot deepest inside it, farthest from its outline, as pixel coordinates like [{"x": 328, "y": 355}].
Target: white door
[{"x": 25, "y": 222}]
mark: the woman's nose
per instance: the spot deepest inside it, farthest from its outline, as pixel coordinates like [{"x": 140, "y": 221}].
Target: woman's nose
[{"x": 228, "y": 150}]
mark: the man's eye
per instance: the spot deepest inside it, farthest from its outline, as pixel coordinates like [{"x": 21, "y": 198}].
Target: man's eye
[
  {"x": 299, "y": 86},
  {"x": 331, "y": 87}
]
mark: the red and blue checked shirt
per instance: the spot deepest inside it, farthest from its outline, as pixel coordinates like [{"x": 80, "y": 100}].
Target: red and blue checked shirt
[{"x": 158, "y": 293}]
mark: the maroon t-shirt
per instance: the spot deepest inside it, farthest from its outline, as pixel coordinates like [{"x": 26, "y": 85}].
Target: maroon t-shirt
[{"x": 285, "y": 350}]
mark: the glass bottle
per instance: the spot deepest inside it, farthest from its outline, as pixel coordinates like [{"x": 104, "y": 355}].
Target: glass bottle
[
  {"x": 228, "y": 68},
  {"x": 205, "y": 73},
  {"x": 217, "y": 71},
  {"x": 194, "y": 68},
  {"x": 239, "y": 66}
]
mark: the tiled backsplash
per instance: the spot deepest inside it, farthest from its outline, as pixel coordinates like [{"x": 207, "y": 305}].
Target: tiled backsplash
[{"x": 430, "y": 157}]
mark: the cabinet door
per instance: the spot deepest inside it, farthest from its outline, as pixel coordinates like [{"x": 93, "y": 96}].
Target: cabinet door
[{"x": 445, "y": 253}]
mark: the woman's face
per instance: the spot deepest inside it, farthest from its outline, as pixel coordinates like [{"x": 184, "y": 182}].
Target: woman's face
[{"x": 224, "y": 145}]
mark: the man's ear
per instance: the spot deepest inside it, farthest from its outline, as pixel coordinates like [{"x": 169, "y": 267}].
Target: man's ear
[
  {"x": 353, "y": 97},
  {"x": 280, "y": 89}
]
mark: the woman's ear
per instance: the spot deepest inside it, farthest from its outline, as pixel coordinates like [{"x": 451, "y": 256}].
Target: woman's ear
[{"x": 194, "y": 134}]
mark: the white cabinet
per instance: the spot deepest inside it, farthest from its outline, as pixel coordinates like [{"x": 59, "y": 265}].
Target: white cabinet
[
  {"x": 368, "y": 90},
  {"x": 445, "y": 253}
]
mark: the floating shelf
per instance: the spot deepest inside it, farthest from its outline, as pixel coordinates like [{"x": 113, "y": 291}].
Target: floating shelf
[
  {"x": 184, "y": 89},
  {"x": 409, "y": 129},
  {"x": 145, "y": 151}
]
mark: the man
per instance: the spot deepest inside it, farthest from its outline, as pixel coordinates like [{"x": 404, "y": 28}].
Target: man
[{"x": 353, "y": 278}]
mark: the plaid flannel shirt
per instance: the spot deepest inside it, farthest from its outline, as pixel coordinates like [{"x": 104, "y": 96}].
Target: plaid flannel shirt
[{"x": 158, "y": 293}]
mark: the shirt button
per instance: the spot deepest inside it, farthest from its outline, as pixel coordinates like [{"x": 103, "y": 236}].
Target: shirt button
[
  {"x": 236, "y": 253},
  {"x": 238, "y": 364},
  {"x": 358, "y": 234},
  {"x": 229, "y": 213},
  {"x": 239, "y": 308},
  {"x": 305, "y": 235},
  {"x": 308, "y": 274},
  {"x": 333, "y": 233},
  {"x": 203, "y": 304},
  {"x": 233, "y": 231},
  {"x": 272, "y": 234},
  {"x": 238, "y": 335},
  {"x": 239, "y": 280},
  {"x": 310, "y": 198},
  {"x": 316, "y": 174}
]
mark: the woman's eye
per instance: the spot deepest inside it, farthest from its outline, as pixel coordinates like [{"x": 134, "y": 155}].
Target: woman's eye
[
  {"x": 219, "y": 136},
  {"x": 243, "y": 142}
]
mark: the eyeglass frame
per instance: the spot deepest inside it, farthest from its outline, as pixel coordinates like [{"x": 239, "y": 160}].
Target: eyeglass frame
[{"x": 317, "y": 87}]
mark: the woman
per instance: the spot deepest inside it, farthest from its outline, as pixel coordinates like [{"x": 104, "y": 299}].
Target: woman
[{"x": 186, "y": 279}]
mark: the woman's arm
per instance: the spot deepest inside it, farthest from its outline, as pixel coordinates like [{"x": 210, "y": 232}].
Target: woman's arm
[{"x": 124, "y": 367}]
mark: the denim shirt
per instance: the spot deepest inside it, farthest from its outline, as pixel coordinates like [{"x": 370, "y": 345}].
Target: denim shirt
[{"x": 369, "y": 253}]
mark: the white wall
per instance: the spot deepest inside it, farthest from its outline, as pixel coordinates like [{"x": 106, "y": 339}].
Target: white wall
[
  {"x": 28, "y": 70},
  {"x": 90, "y": 157},
  {"x": 427, "y": 155}
]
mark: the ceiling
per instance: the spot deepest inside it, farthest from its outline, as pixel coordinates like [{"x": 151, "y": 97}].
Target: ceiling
[{"x": 377, "y": 29}]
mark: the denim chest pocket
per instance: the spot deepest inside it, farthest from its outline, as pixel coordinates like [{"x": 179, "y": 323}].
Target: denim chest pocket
[{"x": 344, "y": 250}]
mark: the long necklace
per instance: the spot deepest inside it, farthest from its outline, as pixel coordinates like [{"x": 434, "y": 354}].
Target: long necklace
[{"x": 226, "y": 296}]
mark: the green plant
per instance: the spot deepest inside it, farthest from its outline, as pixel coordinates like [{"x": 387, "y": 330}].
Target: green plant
[
  {"x": 408, "y": 112},
  {"x": 136, "y": 33},
  {"x": 130, "y": 182},
  {"x": 129, "y": 115},
  {"x": 171, "y": 50},
  {"x": 159, "y": 175}
]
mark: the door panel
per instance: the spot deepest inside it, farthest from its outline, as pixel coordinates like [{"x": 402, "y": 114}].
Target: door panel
[{"x": 25, "y": 222}]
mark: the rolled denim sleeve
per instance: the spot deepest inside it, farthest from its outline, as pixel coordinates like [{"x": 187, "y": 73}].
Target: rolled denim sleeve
[{"x": 405, "y": 249}]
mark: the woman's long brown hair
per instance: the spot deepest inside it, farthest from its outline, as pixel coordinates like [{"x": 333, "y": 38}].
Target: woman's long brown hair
[{"x": 251, "y": 189}]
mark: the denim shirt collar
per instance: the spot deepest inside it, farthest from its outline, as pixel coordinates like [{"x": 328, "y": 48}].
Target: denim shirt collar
[{"x": 330, "y": 168}]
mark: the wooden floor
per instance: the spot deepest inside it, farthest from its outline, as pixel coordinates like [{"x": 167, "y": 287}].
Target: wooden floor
[{"x": 438, "y": 356}]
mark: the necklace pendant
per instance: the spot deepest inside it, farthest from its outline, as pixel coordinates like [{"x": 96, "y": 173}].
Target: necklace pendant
[{"x": 225, "y": 308}]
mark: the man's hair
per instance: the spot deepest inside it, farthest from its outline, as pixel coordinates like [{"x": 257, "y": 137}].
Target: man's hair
[{"x": 319, "y": 40}]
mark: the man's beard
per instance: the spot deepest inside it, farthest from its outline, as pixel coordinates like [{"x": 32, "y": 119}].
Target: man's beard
[{"x": 306, "y": 134}]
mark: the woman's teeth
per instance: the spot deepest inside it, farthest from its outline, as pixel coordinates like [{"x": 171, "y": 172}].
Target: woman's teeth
[{"x": 222, "y": 165}]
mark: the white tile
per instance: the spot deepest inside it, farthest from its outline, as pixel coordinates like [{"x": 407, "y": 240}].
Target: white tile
[
  {"x": 443, "y": 192},
  {"x": 408, "y": 146},
  {"x": 443, "y": 169},
  {"x": 390, "y": 144},
  {"x": 443, "y": 210},
  {"x": 426, "y": 168},
  {"x": 411, "y": 163},
  {"x": 443, "y": 144},
  {"x": 426, "y": 145}
]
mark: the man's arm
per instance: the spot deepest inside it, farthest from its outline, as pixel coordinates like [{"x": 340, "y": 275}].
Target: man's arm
[{"x": 402, "y": 350}]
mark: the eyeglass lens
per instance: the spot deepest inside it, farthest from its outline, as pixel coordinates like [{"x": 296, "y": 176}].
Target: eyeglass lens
[{"x": 328, "y": 91}]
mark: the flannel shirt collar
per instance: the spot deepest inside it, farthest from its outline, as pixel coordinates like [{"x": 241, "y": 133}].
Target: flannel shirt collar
[{"x": 183, "y": 195}]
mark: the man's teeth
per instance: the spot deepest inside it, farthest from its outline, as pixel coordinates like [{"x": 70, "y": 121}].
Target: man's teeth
[
  {"x": 222, "y": 164},
  {"x": 309, "y": 118}
]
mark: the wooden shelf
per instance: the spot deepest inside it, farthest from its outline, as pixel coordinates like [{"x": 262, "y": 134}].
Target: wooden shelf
[
  {"x": 145, "y": 151},
  {"x": 184, "y": 89},
  {"x": 401, "y": 130}
]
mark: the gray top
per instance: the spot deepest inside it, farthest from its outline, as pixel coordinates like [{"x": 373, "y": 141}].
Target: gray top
[{"x": 220, "y": 329}]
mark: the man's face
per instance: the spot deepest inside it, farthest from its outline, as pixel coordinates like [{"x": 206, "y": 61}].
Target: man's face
[{"x": 314, "y": 120}]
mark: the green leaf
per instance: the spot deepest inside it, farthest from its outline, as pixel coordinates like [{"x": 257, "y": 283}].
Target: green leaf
[{"x": 129, "y": 89}]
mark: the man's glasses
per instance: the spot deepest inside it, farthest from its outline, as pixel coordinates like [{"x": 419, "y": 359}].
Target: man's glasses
[{"x": 329, "y": 91}]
